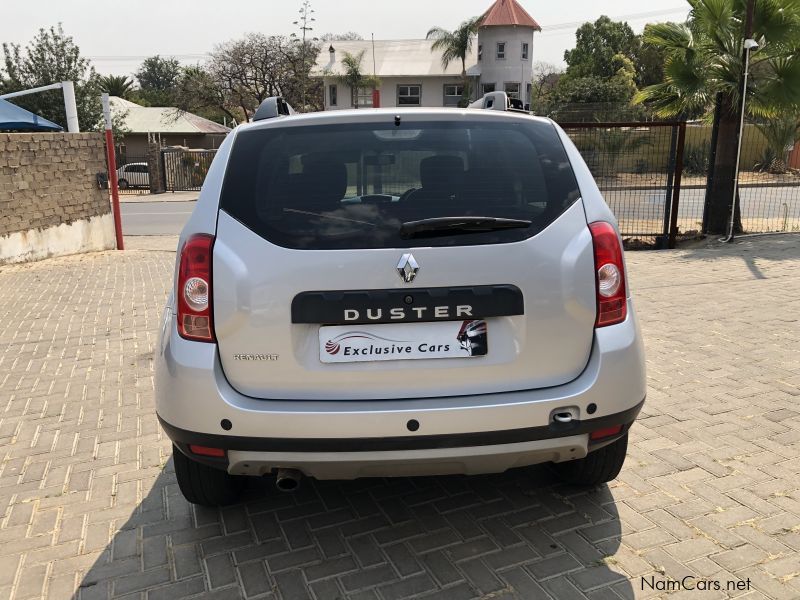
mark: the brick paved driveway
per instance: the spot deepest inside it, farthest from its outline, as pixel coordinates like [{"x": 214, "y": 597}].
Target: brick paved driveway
[{"x": 89, "y": 505}]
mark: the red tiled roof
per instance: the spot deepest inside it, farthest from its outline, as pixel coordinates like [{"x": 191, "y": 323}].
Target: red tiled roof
[{"x": 508, "y": 12}]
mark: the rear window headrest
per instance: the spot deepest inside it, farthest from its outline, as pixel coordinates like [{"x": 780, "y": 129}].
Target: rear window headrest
[
  {"x": 441, "y": 171},
  {"x": 322, "y": 182}
]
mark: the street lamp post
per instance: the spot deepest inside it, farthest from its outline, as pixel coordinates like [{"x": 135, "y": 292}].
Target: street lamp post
[{"x": 749, "y": 45}]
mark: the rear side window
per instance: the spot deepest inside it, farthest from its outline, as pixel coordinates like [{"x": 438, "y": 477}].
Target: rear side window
[{"x": 350, "y": 186}]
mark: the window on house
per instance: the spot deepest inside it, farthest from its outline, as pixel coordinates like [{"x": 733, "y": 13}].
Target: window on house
[
  {"x": 525, "y": 49},
  {"x": 480, "y": 52},
  {"x": 333, "y": 95},
  {"x": 409, "y": 95},
  {"x": 364, "y": 98},
  {"x": 452, "y": 94},
  {"x": 487, "y": 88},
  {"x": 512, "y": 90},
  {"x": 501, "y": 50}
]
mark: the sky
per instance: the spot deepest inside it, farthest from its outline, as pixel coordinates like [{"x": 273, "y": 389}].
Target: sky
[{"x": 117, "y": 36}]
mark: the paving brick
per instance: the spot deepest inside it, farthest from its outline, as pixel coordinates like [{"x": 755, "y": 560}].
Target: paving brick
[
  {"x": 254, "y": 578},
  {"x": 713, "y": 466},
  {"x": 442, "y": 569},
  {"x": 369, "y": 577},
  {"x": 292, "y": 586},
  {"x": 408, "y": 587}
]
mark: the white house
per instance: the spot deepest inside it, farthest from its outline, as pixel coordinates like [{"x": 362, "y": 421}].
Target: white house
[{"x": 411, "y": 74}]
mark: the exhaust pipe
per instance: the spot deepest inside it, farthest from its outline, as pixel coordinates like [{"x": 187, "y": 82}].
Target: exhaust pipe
[{"x": 288, "y": 480}]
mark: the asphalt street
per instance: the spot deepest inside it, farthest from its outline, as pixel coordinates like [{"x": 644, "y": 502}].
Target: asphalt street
[
  {"x": 155, "y": 218},
  {"x": 772, "y": 206}
]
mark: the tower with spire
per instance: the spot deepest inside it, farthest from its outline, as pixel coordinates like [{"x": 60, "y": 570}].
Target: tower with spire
[{"x": 505, "y": 50}]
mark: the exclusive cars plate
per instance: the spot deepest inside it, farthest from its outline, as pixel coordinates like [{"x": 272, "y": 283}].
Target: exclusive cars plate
[{"x": 406, "y": 341}]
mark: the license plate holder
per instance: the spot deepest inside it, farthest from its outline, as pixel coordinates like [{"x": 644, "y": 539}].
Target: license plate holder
[{"x": 403, "y": 341}]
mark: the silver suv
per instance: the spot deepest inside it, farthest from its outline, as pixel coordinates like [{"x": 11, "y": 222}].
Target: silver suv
[{"x": 393, "y": 293}]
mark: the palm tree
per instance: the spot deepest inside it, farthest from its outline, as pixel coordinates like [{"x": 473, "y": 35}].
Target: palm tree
[
  {"x": 455, "y": 45},
  {"x": 116, "y": 85},
  {"x": 705, "y": 59},
  {"x": 354, "y": 78}
]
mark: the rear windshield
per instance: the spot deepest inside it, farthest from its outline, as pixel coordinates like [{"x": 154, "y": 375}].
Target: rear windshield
[{"x": 353, "y": 186}]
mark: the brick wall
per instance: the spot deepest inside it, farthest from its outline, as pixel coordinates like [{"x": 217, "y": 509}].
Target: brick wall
[{"x": 49, "y": 179}]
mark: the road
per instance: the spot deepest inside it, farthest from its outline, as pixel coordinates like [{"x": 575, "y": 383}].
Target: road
[
  {"x": 155, "y": 218},
  {"x": 764, "y": 208}
]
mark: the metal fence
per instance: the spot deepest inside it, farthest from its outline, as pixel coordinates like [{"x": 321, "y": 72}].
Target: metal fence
[
  {"x": 638, "y": 167},
  {"x": 769, "y": 180},
  {"x": 185, "y": 170},
  {"x": 655, "y": 176},
  {"x": 180, "y": 170}
]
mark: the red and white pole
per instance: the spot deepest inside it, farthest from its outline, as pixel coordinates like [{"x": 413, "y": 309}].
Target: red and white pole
[{"x": 112, "y": 172}]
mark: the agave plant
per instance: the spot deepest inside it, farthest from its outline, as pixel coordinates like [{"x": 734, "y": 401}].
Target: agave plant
[
  {"x": 612, "y": 144},
  {"x": 781, "y": 134}
]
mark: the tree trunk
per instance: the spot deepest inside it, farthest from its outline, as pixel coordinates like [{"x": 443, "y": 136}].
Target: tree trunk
[
  {"x": 721, "y": 192},
  {"x": 465, "y": 94}
]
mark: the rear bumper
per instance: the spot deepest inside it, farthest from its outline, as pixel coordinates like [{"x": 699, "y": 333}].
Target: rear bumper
[
  {"x": 344, "y": 439},
  {"x": 469, "y": 453}
]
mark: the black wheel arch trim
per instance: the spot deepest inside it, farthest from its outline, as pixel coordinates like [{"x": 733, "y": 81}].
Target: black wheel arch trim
[{"x": 554, "y": 430}]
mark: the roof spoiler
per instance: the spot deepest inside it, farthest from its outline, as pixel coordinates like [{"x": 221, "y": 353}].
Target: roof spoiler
[
  {"x": 272, "y": 107},
  {"x": 499, "y": 101}
]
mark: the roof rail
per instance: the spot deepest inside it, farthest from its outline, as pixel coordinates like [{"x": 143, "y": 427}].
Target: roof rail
[
  {"x": 499, "y": 101},
  {"x": 272, "y": 107}
]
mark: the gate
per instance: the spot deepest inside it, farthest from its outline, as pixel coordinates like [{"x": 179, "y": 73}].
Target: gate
[
  {"x": 133, "y": 173},
  {"x": 185, "y": 170},
  {"x": 638, "y": 167}
]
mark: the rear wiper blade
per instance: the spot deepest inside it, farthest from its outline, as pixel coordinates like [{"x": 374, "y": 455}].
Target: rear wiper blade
[{"x": 454, "y": 225}]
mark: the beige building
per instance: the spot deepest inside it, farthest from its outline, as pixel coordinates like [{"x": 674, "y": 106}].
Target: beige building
[
  {"x": 167, "y": 125},
  {"x": 411, "y": 74}
]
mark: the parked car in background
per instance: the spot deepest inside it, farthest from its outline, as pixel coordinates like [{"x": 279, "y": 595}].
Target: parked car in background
[
  {"x": 397, "y": 292},
  {"x": 133, "y": 175}
]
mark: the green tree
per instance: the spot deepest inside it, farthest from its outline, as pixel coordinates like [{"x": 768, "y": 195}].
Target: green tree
[
  {"x": 543, "y": 87},
  {"x": 197, "y": 92},
  {"x": 341, "y": 37},
  {"x": 598, "y": 46},
  {"x": 705, "y": 58},
  {"x": 158, "y": 78},
  {"x": 597, "y": 97},
  {"x": 52, "y": 57},
  {"x": 353, "y": 76},
  {"x": 116, "y": 85},
  {"x": 649, "y": 61},
  {"x": 249, "y": 70},
  {"x": 456, "y": 45}
]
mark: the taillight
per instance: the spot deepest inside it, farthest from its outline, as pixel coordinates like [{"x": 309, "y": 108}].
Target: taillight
[
  {"x": 194, "y": 289},
  {"x": 612, "y": 305}
]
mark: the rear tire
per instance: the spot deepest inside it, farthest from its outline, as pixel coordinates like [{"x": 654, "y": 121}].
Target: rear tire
[
  {"x": 600, "y": 466},
  {"x": 204, "y": 485}
]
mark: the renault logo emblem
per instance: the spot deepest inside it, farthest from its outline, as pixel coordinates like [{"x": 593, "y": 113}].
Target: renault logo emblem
[{"x": 408, "y": 268}]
